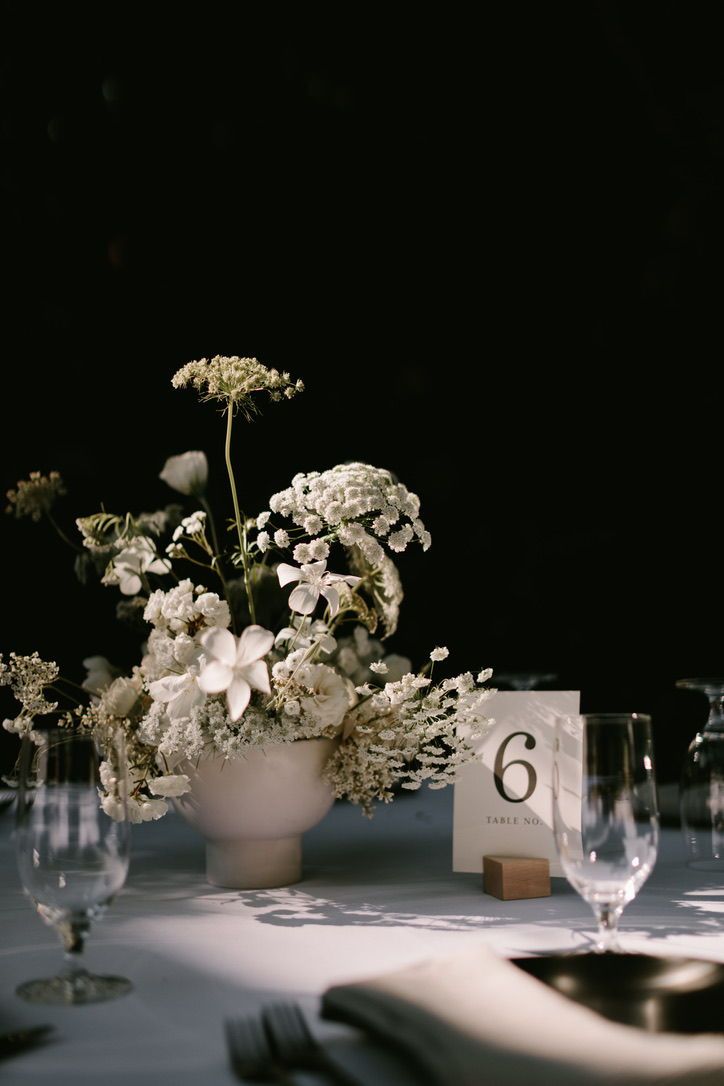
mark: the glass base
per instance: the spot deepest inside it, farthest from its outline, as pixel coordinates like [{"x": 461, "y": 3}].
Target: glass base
[
  {"x": 714, "y": 864},
  {"x": 80, "y": 987}
]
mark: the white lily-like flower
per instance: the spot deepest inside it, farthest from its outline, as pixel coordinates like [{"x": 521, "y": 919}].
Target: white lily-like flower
[
  {"x": 140, "y": 556},
  {"x": 305, "y": 632},
  {"x": 180, "y": 693},
  {"x": 236, "y": 665},
  {"x": 314, "y": 581},
  {"x": 187, "y": 473}
]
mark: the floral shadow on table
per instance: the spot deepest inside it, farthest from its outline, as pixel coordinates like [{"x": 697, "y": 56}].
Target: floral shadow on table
[{"x": 700, "y": 915}]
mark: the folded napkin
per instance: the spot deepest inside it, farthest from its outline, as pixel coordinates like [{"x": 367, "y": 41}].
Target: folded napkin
[{"x": 476, "y": 1019}]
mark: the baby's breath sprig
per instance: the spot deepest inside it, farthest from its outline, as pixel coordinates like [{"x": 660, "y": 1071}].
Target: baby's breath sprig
[{"x": 28, "y": 677}]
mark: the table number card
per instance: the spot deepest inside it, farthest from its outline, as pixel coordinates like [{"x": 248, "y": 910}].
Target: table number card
[{"x": 504, "y": 799}]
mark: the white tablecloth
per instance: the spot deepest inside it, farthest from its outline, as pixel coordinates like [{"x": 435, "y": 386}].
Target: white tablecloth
[{"x": 376, "y": 896}]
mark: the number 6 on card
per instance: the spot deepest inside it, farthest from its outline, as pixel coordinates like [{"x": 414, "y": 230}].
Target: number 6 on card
[{"x": 504, "y": 800}]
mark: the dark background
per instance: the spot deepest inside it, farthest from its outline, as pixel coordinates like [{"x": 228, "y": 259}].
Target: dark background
[{"x": 492, "y": 248}]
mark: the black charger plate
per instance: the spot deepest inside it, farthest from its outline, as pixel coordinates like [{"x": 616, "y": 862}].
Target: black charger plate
[{"x": 679, "y": 995}]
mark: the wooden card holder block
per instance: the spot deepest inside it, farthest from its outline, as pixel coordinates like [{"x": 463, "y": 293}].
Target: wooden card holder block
[{"x": 510, "y": 877}]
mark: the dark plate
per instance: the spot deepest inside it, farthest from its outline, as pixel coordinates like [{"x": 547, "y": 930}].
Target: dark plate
[{"x": 680, "y": 995}]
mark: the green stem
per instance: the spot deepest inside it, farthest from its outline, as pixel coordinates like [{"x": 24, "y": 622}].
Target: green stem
[
  {"x": 215, "y": 567},
  {"x": 69, "y": 682},
  {"x": 61, "y": 533},
  {"x": 241, "y": 531},
  {"x": 63, "y": 694},
  {"x": 212, "y": 525}
]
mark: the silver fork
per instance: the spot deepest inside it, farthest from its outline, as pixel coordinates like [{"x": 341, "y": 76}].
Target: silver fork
[
  {"x": 294, "y": 1045},
  {"x": 250, "y": 1053}
]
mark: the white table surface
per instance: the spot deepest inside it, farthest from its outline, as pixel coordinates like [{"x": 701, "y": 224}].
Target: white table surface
[{"x": 375, "y": 897}]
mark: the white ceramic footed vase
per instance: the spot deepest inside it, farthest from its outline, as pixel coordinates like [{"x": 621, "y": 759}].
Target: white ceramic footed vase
[{"x": 253, "y": 810}]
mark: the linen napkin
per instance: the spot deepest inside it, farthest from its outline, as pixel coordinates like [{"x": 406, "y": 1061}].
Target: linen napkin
[{"x": 475, "y": 1018}]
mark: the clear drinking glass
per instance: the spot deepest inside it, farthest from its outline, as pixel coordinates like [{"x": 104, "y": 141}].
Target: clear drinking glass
[
  {"x": 72, "y": 857},
  {"x": 524, "y": 680},
  {"x": 605, "y": 812},
  {"x": 702, "y": 782}
]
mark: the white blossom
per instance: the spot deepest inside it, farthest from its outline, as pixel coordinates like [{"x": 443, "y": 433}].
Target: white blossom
[
  {"x": 349, "y": 499},
  {"x": 213, "y": 610},
  {"x": 281, "y": 538},
  {"x": 170, "y": 785},
  {"x": 187, "y": 473},
  {"x": 318, "y": 550},
  {"x": 119, "y": 698},
  {"x": 185, "y": 606},
  {"x": 302, "y": 553},
  {"x": 180, "y": 693},
  {"x": 127, "y": 568},
  {"x": 114, "y": 807},
  {"x": 263, "y": 541},
  {"x": 100, "y": 674},
  {"x": 236, "y": 666},
  {"x": 191, "y": 526},
  {"x": 312, "y": 524},
  {"x": 314, "y": 580},
  {"x": 305, "y": 632},
  {"x": 438, "y": 654},
  {"x": 327, "y": 700}
]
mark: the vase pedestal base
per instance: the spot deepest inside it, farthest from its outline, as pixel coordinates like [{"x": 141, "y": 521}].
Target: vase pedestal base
[{"x": 254, "y": 865}]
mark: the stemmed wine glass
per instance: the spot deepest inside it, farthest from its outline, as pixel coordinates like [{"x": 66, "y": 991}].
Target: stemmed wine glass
[
  {"x": 605, "y": 812},
  {"x": 702, "y": 782},
  {"x": 72, "y": 857},
  {"x": 524, "y": 680}
]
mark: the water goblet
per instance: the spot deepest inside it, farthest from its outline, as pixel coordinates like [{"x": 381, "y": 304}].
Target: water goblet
[
  {"x": 72, "y": 857},
  {"x": 524, "y": 680},
  {"x": 701, "y": 793},
  {"x": 605, "y": 813}
]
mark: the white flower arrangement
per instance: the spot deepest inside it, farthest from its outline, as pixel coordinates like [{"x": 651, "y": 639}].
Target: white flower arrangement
[{"x": 220, "y": 672}]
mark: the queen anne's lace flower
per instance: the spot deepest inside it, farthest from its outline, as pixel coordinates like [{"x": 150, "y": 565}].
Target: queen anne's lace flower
[
  {"x": 408, "y": 733},
  {"x": 382, "y": 583},
  {"x": 355, "y": 502},
  {"x": 36, "y": 495},
  {"x": 235, "y": 380}
]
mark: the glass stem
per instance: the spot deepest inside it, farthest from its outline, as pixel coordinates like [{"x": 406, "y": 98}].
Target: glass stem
[
  {"x": 607, "y": 935},
  {"x": 73, "y": 932},
  {"x": 715, "y": 723}
]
